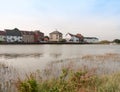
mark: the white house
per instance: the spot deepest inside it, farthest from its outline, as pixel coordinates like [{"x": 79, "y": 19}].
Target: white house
[
  {"x": 13, "y": 36},
  {"x": 73, "y": 38},
  {"x": 91, "y": 40}
]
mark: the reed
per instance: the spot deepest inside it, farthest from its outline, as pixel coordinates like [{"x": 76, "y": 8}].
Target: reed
[{"x": 71, "y": 81}]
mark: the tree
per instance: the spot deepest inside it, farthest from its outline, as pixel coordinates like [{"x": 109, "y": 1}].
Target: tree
[{"x": 116, "y": 40}]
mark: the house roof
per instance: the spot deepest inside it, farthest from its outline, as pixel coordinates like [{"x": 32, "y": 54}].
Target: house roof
[
  {"x": 70, "y": 34},
  {"x": 90, "y": 38},
  {"x": 38, "y": 31},
  {"x": 2, "y": 32},
  {"x": 56, "y": 32},
  {"x": 13, "y": 32},
  {"x": 26, "y": 32},
  {"x": 78, "y": 35}
]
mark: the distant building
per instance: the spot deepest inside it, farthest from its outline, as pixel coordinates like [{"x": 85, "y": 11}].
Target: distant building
[
  {"x": 27, "y": 36},
  {"x": 2, "y": 36},
  {"x": 13, "y": 36},
  {"x": 74, "y": 38},
  {"x": 56, "y": 36},
  {"x": 91, "y": 40},
  {"x": 38, "y": 36}
]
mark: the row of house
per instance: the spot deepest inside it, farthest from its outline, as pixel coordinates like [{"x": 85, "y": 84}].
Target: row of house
[
  {"x": 71, "y": 38},
  {"x": 22, "y": 36}
]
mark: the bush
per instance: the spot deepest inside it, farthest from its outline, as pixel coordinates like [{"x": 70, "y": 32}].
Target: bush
[
  {"x": 72, "y": 81},
  {"x": 29, "y": 85},
  {"x": 116, "y": 40}
]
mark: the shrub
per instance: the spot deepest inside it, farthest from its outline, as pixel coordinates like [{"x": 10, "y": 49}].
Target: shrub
[
  {"x": 72, "y": 81},
  {"x": 29, "y": 85}
]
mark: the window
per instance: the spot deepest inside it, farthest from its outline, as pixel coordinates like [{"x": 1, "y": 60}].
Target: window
[
  {"x": 71, "y": 40},
  {"x": 51, "y": 37},
  {"x": 77, "y": 40},
  {"x": 57, "y": 36}
]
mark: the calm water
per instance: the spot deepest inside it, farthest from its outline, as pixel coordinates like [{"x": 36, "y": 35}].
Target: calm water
[
  {"x": 16, "y": 60},
  {"x": 28, "y": 58}
]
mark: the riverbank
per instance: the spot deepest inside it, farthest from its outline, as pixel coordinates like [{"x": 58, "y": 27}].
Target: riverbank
[
  {"x": 58, "y": 43},
  {"x": 70, "y": 81},
  {"x": 43, "y": 43}
]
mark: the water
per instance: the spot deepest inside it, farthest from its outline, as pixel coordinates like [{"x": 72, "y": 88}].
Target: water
[
  {"x": 17, "y": 60},
  {"x": 28, "y": 58}
]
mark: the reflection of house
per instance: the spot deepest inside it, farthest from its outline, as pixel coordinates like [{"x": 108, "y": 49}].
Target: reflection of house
[
  {"x": 27, "y": 36},
  {"x": 38, "y": 36},
  {"x": 56, "y": 36},
  {"x": 2, "y": 36},
  {"x": 91, "y": 40},
  {"x": 13, "y": 35},
  {"x": 74, "y": 38}
]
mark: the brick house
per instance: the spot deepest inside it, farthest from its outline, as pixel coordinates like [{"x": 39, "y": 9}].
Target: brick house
[
  {"x": 27, "y": 36},
  {"x": 38, "y": 36}
]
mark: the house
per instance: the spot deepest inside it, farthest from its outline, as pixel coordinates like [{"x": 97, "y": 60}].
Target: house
[
  {"x": 38, "y": 36},
  {"x": 13, "y": 36},
  {"x": 56, "y": 36},
  {"x": 2, "y": 36},
  {"x": 81, "y": 37},
  {"x": 91, "y": 40},
  {"x": 27, "y": 36},
  {"x": 78, "y": 38}
]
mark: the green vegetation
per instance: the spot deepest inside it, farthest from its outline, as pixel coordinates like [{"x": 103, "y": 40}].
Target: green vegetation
[
  {"x": 71, "y": 81},
  {"x": 104, "y": 42},
  {"x": 0, "y": 41},
  {"x": 108, "y": 42},
  {"x": 116, "y": 41},
  {"x": 63, "y": 40}
]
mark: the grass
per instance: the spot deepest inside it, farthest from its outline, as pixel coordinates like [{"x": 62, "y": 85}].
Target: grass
[
  {"x": 7, "y": 77},
  {"x": 71, "y": 81}
]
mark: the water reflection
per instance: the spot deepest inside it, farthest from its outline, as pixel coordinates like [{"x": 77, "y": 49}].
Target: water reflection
[
  {"x": 22, "y": 55},
  {"x": 55, "y": 55}
]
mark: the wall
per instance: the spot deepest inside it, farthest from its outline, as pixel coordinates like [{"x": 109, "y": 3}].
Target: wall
[
  {"x": 2, "y": 38},
  {"x": 28, "y": 38},
  {"x": 91, "y": 40},
  {"x": 14, "y": 39}
]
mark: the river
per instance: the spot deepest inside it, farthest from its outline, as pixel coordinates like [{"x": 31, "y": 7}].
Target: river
[
  {"x": 28, "y": 58},
  {"x": 18, "y": 60}
]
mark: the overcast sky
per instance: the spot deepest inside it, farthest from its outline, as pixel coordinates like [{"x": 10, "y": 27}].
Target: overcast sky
[{"x": 96, "y": 18}]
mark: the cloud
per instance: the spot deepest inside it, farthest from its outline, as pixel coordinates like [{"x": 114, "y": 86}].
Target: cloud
[{"x": 98, "y": 18}]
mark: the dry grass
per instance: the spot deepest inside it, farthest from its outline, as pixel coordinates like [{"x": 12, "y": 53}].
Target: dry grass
[{"x": 104, "y": 57}]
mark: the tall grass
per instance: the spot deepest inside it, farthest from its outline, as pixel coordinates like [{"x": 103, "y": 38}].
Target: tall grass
[
  {"x": 7, "y": 78},
  {"x": 71, "y": 81}
]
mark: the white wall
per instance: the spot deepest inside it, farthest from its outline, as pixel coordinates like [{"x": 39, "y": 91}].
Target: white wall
[
  {"x": 75, "y": 39},
  {"x": 90, "y": 40},
  {"x": 14, "y": 39},
  {"x": 2, "y": 38},
  {"x": 70, "y": 38}
]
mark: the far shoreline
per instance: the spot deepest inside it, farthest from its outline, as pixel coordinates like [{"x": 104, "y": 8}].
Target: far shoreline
[{"x": 54, "y": 43}]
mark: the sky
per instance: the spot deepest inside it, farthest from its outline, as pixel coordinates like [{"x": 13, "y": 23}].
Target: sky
[{"x": 91, "y": 18}]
